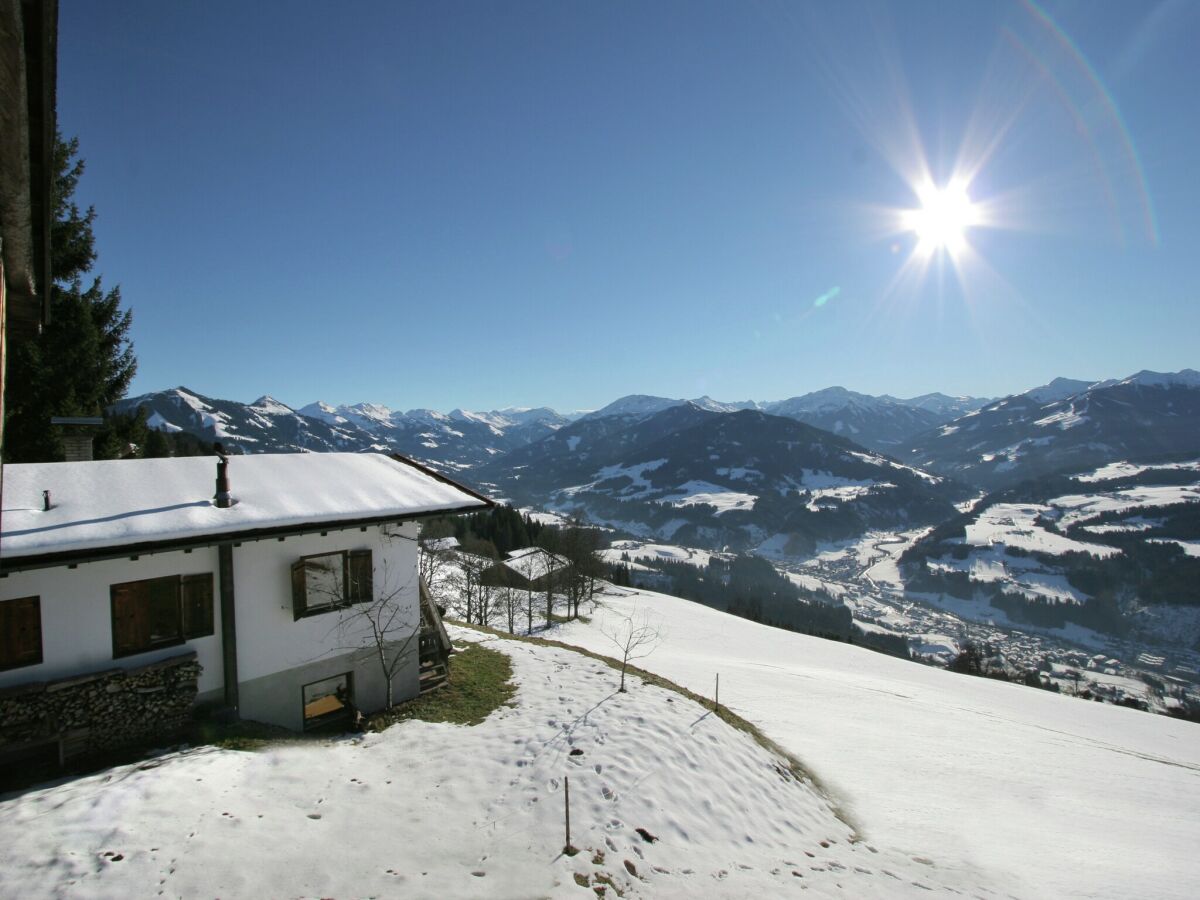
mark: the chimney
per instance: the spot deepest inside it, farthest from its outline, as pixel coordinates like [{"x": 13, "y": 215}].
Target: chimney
[
  {"x": 77, "y": 435},
  {"x": 223, "y": 497}
]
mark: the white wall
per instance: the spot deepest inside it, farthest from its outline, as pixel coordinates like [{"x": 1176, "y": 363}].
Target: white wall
[
  {"x": 269, "y": 639},
  {"x": 77, "y": 616}
]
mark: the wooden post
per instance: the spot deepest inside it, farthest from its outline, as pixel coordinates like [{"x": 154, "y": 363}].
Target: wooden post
[
  {"x": 567, "y": 809},
  {"x": 717, "y": 695}
]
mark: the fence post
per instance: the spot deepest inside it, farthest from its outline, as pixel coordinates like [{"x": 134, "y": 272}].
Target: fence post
[{"x": 567, "y": 809}]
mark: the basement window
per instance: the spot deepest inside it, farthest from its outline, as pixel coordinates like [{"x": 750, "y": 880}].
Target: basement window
[
  {"x": 329, "y": 700},
  {"x": 329, "y": 581},
  {"x": 20, "y": 632},
  {"x": 160, "y": 612}
]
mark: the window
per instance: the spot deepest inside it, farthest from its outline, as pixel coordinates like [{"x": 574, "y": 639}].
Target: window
[
  {"x": 160, "y": 612},
  {"x": 328, "y": 700},
  {"x": 329, "y": 581},
  {"x": 20, "y": 632}
]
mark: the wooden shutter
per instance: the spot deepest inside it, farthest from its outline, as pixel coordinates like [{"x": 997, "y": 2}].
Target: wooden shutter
[
  {"x": 359, "y": 580},
  {"x": 130, "y": 621},
  {"x": 20, "y": 632},
  {"x": 299, "y": 590},
  {"x": 196, "y": 598}
]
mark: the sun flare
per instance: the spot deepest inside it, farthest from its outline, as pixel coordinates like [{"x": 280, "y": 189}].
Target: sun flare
[{"x": 942, "y": 221}]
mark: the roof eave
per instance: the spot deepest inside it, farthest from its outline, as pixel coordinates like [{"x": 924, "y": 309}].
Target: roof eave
[{"x": 9, "y": 565}]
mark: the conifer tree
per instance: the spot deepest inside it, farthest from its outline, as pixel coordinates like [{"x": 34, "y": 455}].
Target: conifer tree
[{"x": 83, "y": 361}]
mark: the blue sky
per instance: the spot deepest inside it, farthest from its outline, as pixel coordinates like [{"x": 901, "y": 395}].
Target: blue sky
[{"x": 484, "y": 205}]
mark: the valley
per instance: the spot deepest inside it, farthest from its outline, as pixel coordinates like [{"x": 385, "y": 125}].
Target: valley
[{"x": 1055, "y": 529}]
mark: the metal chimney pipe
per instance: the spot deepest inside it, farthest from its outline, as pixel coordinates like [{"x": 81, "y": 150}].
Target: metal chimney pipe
[{"x": 223, "y": 497}]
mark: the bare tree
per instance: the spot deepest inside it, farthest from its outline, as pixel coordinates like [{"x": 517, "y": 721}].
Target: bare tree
[
  {"x": 381, "y": 624},
  {"x": 433, "y": 563},
  {"x": 473, "y": 596},
  {"x": 635, "y": 636}
]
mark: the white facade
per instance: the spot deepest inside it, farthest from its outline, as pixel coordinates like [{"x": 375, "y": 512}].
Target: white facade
[
  {"x": 77, "y": 616},
  {"x": 276, "y": 653}
]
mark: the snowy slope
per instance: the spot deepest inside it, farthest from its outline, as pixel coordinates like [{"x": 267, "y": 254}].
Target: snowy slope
[
  {"x": 1051, "y": 796},
  {"x": 693, "y": 476},
  {"x": 1147, "y": 416},
  {"x": 434, "y": 811}
]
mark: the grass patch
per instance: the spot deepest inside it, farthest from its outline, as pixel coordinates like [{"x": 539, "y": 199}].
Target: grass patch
[
  {"x": 793, "y": 767},
  {"x": 480, "y": 683},
  {"x": 242, "y": 734}
]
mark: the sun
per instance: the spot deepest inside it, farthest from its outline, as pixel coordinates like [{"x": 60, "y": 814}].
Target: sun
[{"x": 942, "y": 221}]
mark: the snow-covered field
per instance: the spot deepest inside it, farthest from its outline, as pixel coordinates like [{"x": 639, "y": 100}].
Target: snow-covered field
[
  {"x": 431, "y": 810},
  {"x": 1050, "y": 796}
]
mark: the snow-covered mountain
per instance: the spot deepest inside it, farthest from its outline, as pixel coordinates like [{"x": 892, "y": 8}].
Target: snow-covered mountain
[
  {"x": 1058, "y": 389},
  {"x": 882, "y": 423},
  {"x": 1147, "y": 416},
  {"x": 457, "y": 440},
  {"x": 266, "y": 425},
  {"x": 1116, "y": 549},
  {"x": 942, "y": 404},
  {"x": 712, "y": 479}
]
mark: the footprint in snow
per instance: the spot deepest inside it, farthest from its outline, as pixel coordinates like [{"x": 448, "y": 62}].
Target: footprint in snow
[{"x": 608, "y": 793}]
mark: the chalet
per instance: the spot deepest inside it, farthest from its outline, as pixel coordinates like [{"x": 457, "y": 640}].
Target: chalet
[
  {"x": 131, "y": 590},
  {"x": 530, "y": 568}
]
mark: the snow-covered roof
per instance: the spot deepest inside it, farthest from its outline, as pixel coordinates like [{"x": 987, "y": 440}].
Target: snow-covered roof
[
  {"x": 533, "y": 563},
  {"x": 116, "y": 503}
]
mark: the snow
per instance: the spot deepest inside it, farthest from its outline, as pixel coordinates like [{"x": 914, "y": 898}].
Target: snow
[
  {"x": 112, "y": 503},
  {"x": 1067, "y": 418},
  {"x": 697, "y": 493},
  {"x": 1012, "y": 524},
  {"x": 659, "y": 552},
  {"x": 1050, "y": 796},
  {"x": 891, "y": 464},
  {"x": 636, "y": 473},
  {"x": 1116, "y": 470},
  {"x": 1058, "y": 389},
  {"x": 1183, "y": 378},
  {"x": 533, "y": 563},
  {"x": 436, "y": 810},
  {"x": 1019, "y": 575},
  {"x": 1082, "y": 507},
  {"x": 545, "y": 518},
  {"x": 268, "y": 405},
  {"x": 158, "y": 423},
  {"x": 844, "y": 494},
  {"x": 738, "y": 473},
  {"x": 1191, "y": 548},
  {"x": 573, "y": 442}
]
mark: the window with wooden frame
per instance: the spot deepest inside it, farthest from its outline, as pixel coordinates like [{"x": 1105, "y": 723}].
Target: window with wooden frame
[
  {"x": 328, "y": 581},
  {"x": 327, "y": 701},
  {"x": 160, "y": 612},
  {"x": 20, "y": 632}
]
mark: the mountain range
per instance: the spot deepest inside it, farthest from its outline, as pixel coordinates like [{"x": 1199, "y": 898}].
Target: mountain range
[
  {"x": 825, "y": 464},
  {"x": 1065, "y": 426}
]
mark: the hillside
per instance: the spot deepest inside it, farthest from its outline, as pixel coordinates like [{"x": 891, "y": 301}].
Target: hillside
[
  {"x": 437, "y": 810},
  {"x": 710, "y": 479},
  {"x": 1145, "y": 417},
  {"x": 1116, "y": 549},
  {"x": 1045, "y": 795}
]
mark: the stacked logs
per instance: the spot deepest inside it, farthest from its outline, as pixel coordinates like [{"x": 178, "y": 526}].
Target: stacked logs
[{"x": 101, "y": 711}]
